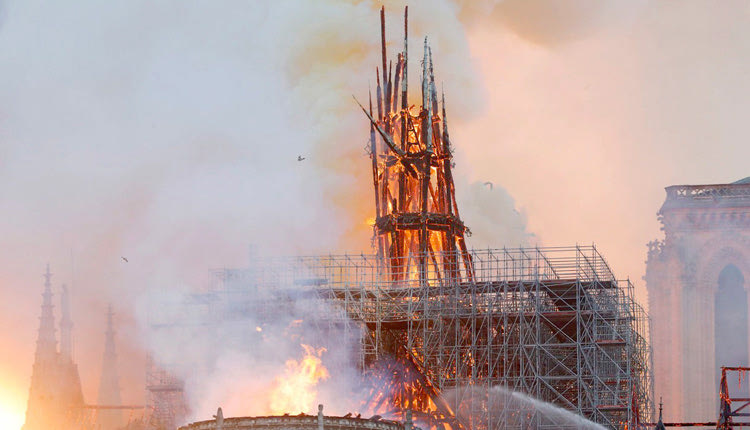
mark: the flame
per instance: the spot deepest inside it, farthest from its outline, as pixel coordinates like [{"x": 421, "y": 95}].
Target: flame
[
  {"x": 398, "y": 385},
  {"x": 295, "y": 390}
]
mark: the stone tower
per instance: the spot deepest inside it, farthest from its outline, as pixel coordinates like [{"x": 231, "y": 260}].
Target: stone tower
[
  {"x": 698, "y": 298},
  {"x": 55, "y": 396},
  {"x": 109, "y": 383}
]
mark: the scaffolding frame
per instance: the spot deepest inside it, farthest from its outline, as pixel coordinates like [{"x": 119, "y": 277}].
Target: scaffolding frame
[
  {"x": 165, "y": 404},
  {"x": 553, "y": 323}
]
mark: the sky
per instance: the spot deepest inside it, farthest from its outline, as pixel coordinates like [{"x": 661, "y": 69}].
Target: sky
[
  {"x": 169, "y": 133},
  {"x": 590, "y": 122}
]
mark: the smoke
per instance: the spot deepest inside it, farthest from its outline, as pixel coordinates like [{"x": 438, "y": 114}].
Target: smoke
[
  {"x": 585, "y": 127},
  {"x": 704, "y": 263},
  {"x": 257, "y": 349},
  {"x": 170, "y": 134},
  {"x": 146, "y": 133},
  {"x": 491, "y": 214}
]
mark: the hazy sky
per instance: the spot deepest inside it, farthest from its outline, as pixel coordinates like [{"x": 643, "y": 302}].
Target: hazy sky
[
  {"x": 585, "y": 124},
  {"x": 168, "y": 133}
]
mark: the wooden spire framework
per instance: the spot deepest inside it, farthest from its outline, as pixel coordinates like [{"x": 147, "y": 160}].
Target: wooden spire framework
[{"x": 419, "y": 233}]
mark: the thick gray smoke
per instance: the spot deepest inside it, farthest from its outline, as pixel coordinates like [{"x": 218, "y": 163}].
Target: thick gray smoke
[
  {"x": 491, "y": 214},
  {"x": 256, "y": 349},
  {"x": 169, "y": 134}
]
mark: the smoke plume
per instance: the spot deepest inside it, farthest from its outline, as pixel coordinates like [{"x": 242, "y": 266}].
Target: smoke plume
[
  {"x": 141, "y": 144},
  {"x": 170, "y": 133}
]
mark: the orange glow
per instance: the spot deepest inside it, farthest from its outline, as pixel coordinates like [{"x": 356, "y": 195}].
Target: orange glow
[
  {"x": 295, "y": 390},
  {"x": 11, "y": 411}
]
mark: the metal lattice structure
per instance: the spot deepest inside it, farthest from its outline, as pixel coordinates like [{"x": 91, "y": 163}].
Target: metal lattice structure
[
  {"x": 440, "y": 327},
  {"x": 553, "y": 323},
  {"x": 166, "y": 407}
]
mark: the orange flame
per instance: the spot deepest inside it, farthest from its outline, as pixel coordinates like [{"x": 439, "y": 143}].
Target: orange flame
[{"x": 295, "y": 390}]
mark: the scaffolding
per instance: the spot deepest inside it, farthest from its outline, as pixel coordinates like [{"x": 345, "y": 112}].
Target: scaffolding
[
  {"x": 165, "y": 404},
  {"x": 732, "y": 400},
  {"x": 552, "y": 323},
  {"x": 439, "y": 327}
]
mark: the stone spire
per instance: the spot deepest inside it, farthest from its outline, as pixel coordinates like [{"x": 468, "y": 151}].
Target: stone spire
[
  {"x": 55, "y": 395},
  {"x": 660, "y": 424},
  {"x": 109, "y": 383},
  {"x": 46, "y": 343},
  {"x": 66, "y": 327}
]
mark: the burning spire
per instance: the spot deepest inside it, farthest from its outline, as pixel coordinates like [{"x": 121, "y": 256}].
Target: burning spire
[{"x": 418, "y": 229}]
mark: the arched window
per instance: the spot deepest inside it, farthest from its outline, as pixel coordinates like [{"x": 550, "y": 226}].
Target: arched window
[{"x": 730, "y": 322}]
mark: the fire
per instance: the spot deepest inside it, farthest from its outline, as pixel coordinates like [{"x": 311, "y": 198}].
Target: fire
[
  {"x": 398, "y": 385},
  {"x": 295, "y": 390}
]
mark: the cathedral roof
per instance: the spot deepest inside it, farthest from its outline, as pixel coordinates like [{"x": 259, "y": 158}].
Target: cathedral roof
[{"x": 736, "y": 194}]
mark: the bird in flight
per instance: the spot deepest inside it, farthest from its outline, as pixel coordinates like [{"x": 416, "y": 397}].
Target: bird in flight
[
  {"x": 489, "y": 184},
  {"x": 124, "y": 259},
  {"x": 300, "y": 158}
]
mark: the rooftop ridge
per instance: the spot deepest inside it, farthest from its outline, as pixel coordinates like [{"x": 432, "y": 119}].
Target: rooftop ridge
[{"x": 735, "y": 194}]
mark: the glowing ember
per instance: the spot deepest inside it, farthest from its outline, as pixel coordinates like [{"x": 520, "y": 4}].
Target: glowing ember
[{"x": 295, "y": 390}]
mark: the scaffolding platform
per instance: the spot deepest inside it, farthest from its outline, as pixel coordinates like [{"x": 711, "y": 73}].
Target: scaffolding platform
[{"x": 553, "y": 323}]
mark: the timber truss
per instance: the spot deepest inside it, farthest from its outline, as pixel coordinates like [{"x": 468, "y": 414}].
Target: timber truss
[{"x": 418, "y": 230}]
